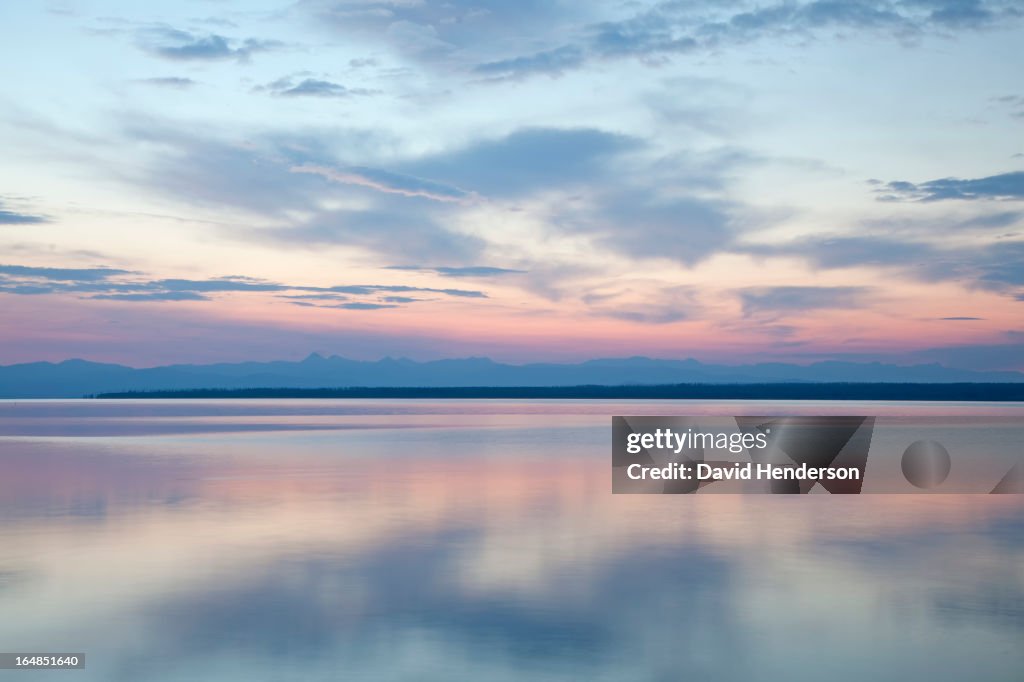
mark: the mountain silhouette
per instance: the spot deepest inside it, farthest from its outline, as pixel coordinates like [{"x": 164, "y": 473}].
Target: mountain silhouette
[{"x": 75, "y": 378}]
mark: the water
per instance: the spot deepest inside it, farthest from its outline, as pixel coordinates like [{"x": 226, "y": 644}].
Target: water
[{"x": 473, "y": 540}]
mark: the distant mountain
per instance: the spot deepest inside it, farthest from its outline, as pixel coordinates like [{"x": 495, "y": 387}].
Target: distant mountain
[{"x": 75, "y": 378}]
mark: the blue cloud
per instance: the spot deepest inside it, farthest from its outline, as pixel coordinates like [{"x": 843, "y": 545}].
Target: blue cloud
[
  {"x": 552, "y": 62},
  {"x": 212, "y": 172},
  {"x": 63, "y": 274},
  {"x": 998, "y": 266},
  {"x": 363, "y": 306},
  {"x": 312, "y": 87},
  {"x": 467, "y": 271},
  {"x": 393, "y": 232},
  {"x": 1002, "y": 265},
  {"x": 1002, "y": 186},
  {"x": 964, "y": 13},
  {"x": 1015, "y": 106},
  {"x": 644, "y": 225},
  {"x": 179, "y": 45},
  {"x": 280, "y": 177},
  {"x": 123, "y": 285},
  {"x": 386, "y": 182},
  {"x": 672, "y": 27},
  {"x": 154, "y": 296},
  {"x": 174, "y": 82},
  {"x": 433, "y": 30},
  {"x": 526, "y": 160},
  {"x": 795, "y": 299},
  {"x": 364, "y": 289},
  {"x": 212, "y": 285},
  {"x": 17, "y": 218}
]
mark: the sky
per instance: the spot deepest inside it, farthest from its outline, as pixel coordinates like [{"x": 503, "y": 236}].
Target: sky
[{"x": 734, "y": 181}]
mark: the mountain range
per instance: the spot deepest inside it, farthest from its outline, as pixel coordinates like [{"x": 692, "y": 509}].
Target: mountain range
[{"x": 76, "y": 378}]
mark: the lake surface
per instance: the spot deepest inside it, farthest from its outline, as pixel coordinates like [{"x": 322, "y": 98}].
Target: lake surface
[{"x": 474, "y": 540}]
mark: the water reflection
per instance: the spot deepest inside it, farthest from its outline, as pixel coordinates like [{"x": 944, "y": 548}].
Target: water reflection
[{"x": 473, "y": 544}]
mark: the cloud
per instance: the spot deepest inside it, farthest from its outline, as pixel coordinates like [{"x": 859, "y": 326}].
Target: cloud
[
  {"x": 965, "y": 13},
  {"x": 364, "y": 289},
  {"x": 552, "y": 62},
  {"x": 389, "y": 231},
  {"x": 119, "y": 285},
  {"x": 17, "y": 218},
  {"x": 220, "y": 175},
  {"x": 280, "y": 179},
  {"x": 525, "y": 160},
  {"x": 63, "y": 274},
  {"x": 991, "y": 220},
  {"x": 1014, "y": 104},
  {"x": 179, "y": 45},
  {"x": 317, "y": 297},
  {"x": 628, "y": 204},
  {"x": 311, "y": 87},
  {"x": 155, "y": 296},
  {"x": 641, "y": 224},
  {"x": 363, "y": 306},
  {"x": 1001, "y": 265},
  {"x": 467, "y": 271},
  {"x": 790, "y": 299},
  {"x": 657, "y": 312},
  {"x": 671, "y": 27},
  {"x": 123, "y": 285},
  {"x": 250, "y": 174},
  {"x": 1006, "y": 186},
  {"x": 832, "y": 252},
  {"x": 434, "y": 32},
  {"x": 998, "y": 266},
  {"x": 174, "y": 82},
  {"x": 962, "y": 319},
  {"x": 388, "y": 302},
  {"x": 663, "y": 305},
  {"x": 284, "y": 182},
  {"x": 220, "y": 284},
  {"x": 387, "y": 182}
]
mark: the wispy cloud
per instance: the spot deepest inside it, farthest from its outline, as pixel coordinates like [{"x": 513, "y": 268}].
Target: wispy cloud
[
  {"x": 364, "y": 306},
  {"x": 675, "y": 305},
  {"x": 174, "y": 82},
  {"x": 1014, "y": 104},
  {"x": 526, "y": 160},
  {"x": 1002, "y": 186},
  {"x": 797, "y": 299},
  {"x": 994, "y": 265},
  {"x": 670, "y": 28},
  {"x": 113, "y": 284},
  {"x": 553, "y": 62},
  {"x": 181, "y": 45},
  {"x": 290, "y": 86},
  {"x": 406, "y": 233},
  {"x": 8, "y": 217},
  {"x": 62, "y": 274},
  {"x": 466, "y": 271},
  {"x": 154, "y": 296},
  {"x": 363, "y": 289},
  {"x": 387, "y": 182}
]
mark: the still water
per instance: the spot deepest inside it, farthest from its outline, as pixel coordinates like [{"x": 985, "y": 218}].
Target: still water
[{"x": 473, "y": 540}]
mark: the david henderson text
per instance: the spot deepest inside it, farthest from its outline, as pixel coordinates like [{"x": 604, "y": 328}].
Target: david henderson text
[{"x": 742, "y": 471}]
